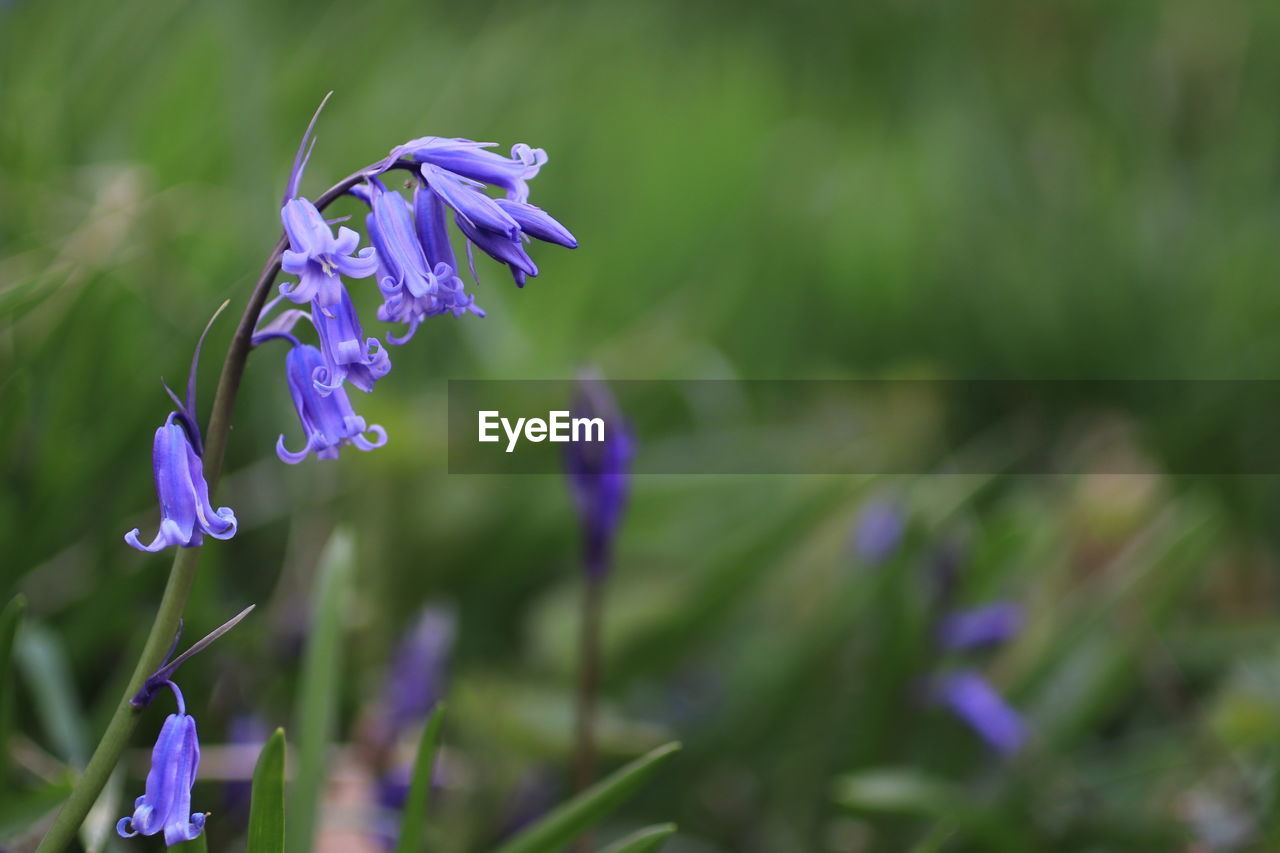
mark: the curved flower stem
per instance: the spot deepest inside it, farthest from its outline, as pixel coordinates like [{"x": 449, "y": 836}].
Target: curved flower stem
[
  {"x": 584, "y": 760},
  {"x": 183, "y": 572}
]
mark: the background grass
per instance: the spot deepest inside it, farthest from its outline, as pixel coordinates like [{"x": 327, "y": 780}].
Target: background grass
[{"x": 799, "y": 190}]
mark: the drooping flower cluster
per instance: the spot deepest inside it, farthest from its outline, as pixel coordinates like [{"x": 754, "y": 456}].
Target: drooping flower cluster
[
  {"x": 417, "y": 275},
  {"x": 412, "y": 260}
]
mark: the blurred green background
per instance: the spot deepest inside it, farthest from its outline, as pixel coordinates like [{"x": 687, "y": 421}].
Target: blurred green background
[{"x": 800, "y": 190}]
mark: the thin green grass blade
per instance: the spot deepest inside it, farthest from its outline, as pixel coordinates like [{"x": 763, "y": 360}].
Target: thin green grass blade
[
  {"x": 10, "y": 622},
  {"x": 40, "y": 653},
  {"x": 414, "y": 825},
  {"x": 266, "y": 808},
  {"x": 647, "y": 840},
  {"x": 570, "y": 820},
  {"x": 906, "y": 791},
  {"x": 317, "y": 710}
]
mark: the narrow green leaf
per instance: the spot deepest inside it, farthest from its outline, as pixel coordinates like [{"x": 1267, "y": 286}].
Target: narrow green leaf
[
  {"x": 266, "y": 808},
  {"x": 413, "y": 826},
  {"x": 10, "y": 622},
  {"x": 44, "y": 664},
  {"x": 199, "y": 844},
  {"x": 573, "y": 818},
  {"x": 647, "y": 840},
  {"x": 906, "y": 791},
  {"x": 317, "y": 711}
]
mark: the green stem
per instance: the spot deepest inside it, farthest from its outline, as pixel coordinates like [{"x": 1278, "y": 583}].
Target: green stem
[
  {"x": 588, "y": 690},
  {"x": 183, "y": 572}
]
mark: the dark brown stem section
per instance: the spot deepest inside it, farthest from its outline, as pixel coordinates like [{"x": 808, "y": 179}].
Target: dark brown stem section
[
  {"x": 584, "y": 761},
  {"x": 185, "y": 560}
]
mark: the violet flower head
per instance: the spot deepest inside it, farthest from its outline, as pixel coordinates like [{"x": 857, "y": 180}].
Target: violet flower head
[
  {"x": 972, "y": 699},
  {"x": 317, "y": 257},
  {"x": 349, "y": 356},
  {"x": 418, "y": 274},
  {"x": 186, "y": 513},
  {"x": 878, "y": 532},
  {"x": 166, "y": 805},
  {"x": 472, "y": 160},
  {"x": 988, "y": 625},
  {"x": 328, "y": 420},
  {"x": 415, "y": 682},
  {"x": 598, "y": 465},
  {"x": 458, "y": 172}
]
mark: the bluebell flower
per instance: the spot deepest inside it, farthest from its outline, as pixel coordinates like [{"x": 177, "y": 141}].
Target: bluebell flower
[
  {"x": 415, "y": 683},
  {"x": 536, "y": 793},
  {"x": 349, "y": 356},
  {"x": 317, "y": 257},
  {"x": 417, "y": 274},
  {"x": 471, "y": 160},
  {"x": 537, "y": 223},
  {"x": 988, "y": 625},
  {"x": 459, "y": 171},
  {"x": 247, "y": 732},
  {"x": 328, "y": 420},
  {"x": 166, "y": 805},
  {"x": 878, "y": 532},
  {"x": 974, "y": 701},
  {"x": 599, "y": 474},
  {"x": 186, "y": 513}
]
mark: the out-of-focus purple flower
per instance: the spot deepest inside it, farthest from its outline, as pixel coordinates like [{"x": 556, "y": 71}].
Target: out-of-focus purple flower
[
  {"x": 473, "y": 161},
  {"x": 317, "y": 257},
  {"x": 186, "y": 513},
  {"x": 417, "y": 273},
  {"x": 974, "y": 701},
  {"x": 247, "y": 731},
  {"x": 415, "y": 682},
  {"x": 599, "y": 473},
  {"x": 166, "y": 805},
  {"x": 987, "y": 625},
  {"x": 328, "y": 421},
  {"x": 878, "y": 532},
  {"x": 536, "y": 793},
  {"x": 348, "y": 354}
]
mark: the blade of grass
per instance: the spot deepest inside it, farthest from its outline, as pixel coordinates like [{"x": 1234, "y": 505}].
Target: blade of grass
[
  {"x": 569, "y": 820},
  {"x": 44, "y": 664},
  {"x": 647, "y": 840},
  {"x": 10, "y": 622},
  {"x": 266, "y": 807},
  {"x": 414, "y": 824},
  {"x": 905, "y": 791},
  {"x": 318, "y": 697}
]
